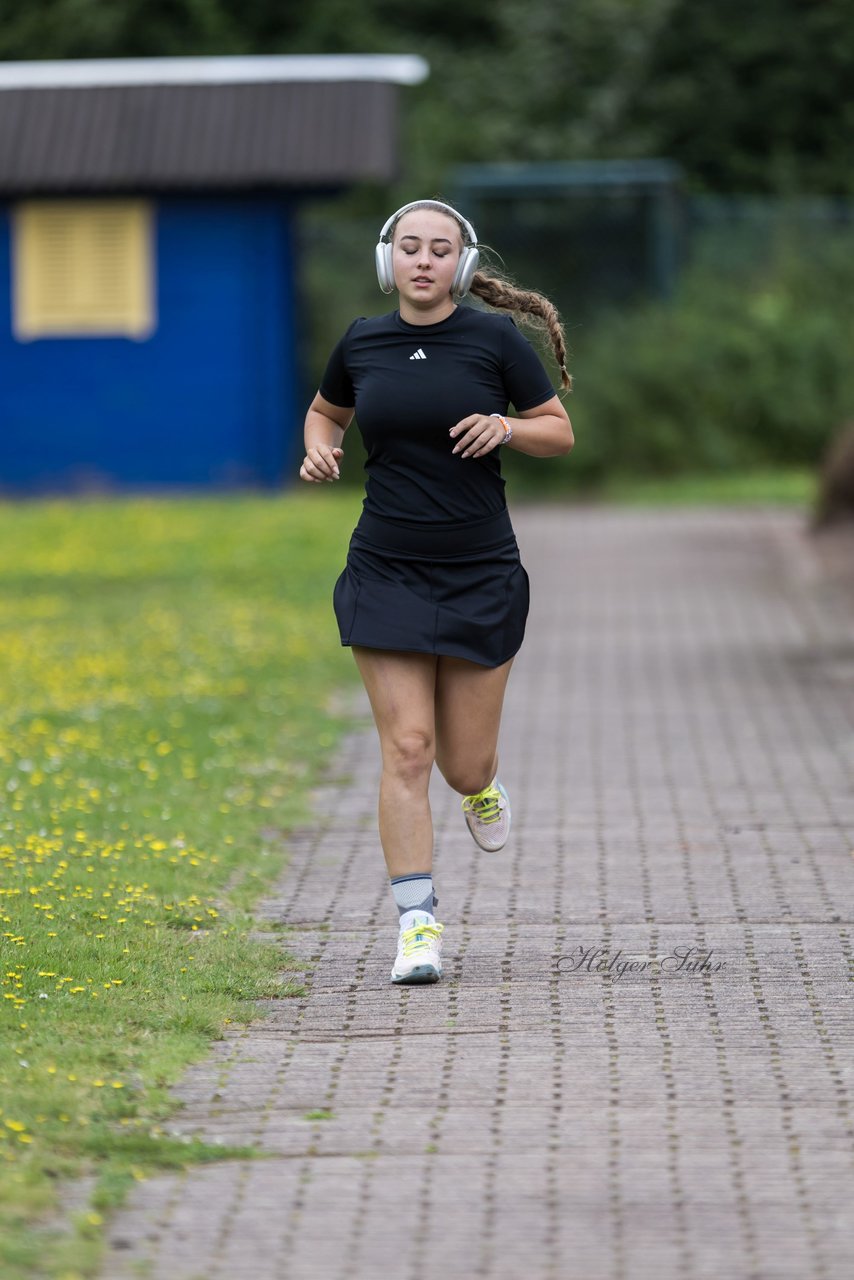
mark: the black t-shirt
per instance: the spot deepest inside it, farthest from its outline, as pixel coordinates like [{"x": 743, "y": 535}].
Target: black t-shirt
[{"x": 410, "y": 383}]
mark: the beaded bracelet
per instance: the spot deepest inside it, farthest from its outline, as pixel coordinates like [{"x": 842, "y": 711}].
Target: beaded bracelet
[{"x": 508, "y": 430}]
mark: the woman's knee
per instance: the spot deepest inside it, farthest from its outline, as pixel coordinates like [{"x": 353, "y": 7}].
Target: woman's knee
[
  {"x": 408, "y": 754},
  {"x": 467, "y": 776}
]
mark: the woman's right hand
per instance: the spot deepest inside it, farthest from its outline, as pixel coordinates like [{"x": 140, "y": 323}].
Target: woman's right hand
[{"x": 321, "y": 463}]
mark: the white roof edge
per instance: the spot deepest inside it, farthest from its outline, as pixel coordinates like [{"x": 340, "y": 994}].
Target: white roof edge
[{"x": 398, "y": 68}]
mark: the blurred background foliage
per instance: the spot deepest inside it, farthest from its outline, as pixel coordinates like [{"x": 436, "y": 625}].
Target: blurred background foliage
[
  {"x": 746, "y": 97},
  {"x": 745, "y": 360}
]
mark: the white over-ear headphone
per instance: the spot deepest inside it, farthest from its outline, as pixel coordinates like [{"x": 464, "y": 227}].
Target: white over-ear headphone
[{"x": 466, "y": 266}]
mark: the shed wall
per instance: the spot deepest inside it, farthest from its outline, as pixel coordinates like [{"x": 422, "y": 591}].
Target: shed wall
[{"x": 209, "y": 400}]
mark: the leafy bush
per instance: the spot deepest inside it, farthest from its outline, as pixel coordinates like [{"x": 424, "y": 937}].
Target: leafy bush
[{"x": 734, "y": 371}]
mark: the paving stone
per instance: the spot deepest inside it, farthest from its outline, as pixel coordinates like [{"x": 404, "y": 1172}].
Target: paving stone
[{"x": 638, "y": 1065}]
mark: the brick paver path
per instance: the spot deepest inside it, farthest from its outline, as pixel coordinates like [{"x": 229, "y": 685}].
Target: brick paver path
[{"x": 679, "y": 749}]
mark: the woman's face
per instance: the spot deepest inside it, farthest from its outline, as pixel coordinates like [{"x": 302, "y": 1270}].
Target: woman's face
[{"x": 426, "y": 248}]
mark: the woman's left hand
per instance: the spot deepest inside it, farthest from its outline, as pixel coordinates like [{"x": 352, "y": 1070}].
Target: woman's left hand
[{"x": 476, "y": 435}]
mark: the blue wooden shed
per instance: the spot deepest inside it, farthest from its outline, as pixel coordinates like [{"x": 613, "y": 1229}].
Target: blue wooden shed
[{"x": 148, "y": 273}]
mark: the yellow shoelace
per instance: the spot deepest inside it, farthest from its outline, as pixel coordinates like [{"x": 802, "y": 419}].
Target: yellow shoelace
[
  {"x": 485, "y": 804},
  {"x": 414, "y": 939}
]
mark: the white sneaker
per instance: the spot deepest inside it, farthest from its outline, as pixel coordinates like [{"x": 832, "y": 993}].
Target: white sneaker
[
  {"x": 418, "y": 947},
  {"x": 488, "y": 816}
]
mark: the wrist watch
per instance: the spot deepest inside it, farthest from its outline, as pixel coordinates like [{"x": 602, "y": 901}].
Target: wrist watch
[{"x": 508, "y": 430}]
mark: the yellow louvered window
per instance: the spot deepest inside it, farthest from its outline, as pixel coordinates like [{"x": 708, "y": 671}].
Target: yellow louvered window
[{"x": 83, "y": 268}]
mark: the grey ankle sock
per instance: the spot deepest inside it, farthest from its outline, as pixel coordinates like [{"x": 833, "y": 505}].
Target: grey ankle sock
[{"x": 414, "y": 892}]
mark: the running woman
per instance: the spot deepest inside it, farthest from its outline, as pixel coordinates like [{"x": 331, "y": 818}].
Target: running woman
[{"x": 433, "y": 598}]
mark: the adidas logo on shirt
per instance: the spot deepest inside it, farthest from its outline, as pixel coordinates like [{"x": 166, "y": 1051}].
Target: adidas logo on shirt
[{"x": 419, "y": 355}]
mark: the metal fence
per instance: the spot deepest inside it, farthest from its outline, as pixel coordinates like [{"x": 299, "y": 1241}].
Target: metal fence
[{"x": 607, "y": 233}]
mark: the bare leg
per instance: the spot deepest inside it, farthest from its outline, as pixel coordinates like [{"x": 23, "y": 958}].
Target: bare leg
[
  {"x": 469, "y": 699},
  {"x": 401, "y": 688}
]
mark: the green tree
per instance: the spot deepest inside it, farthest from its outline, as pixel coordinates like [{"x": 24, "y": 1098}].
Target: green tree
[{"x": 751, "y": 97}]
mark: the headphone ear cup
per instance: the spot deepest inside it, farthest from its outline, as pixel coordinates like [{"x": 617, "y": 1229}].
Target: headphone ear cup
[
  {"x": 385, "y": 271},
  {"x": 466, "y": 268}
]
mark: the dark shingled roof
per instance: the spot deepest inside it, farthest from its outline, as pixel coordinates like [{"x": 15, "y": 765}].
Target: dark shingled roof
[{"x": 254, "y": 133}]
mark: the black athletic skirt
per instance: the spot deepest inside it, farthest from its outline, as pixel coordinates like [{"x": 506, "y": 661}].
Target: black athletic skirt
[{"x": 461, "y": 591}]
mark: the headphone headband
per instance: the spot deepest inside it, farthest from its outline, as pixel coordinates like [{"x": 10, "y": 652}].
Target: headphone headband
[{"x": 430, "y": 204}]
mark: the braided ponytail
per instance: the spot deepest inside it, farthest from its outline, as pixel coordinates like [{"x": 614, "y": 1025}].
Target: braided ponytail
[{"x": 534, "y": 309}]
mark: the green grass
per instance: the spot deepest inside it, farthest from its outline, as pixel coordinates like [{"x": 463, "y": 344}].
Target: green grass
[
  {"x": 167, "y": 674},
  {"x": 166, "y": 668},
  {"x": 787, "y": 487},
  {"x": 793, "y": 486}
]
